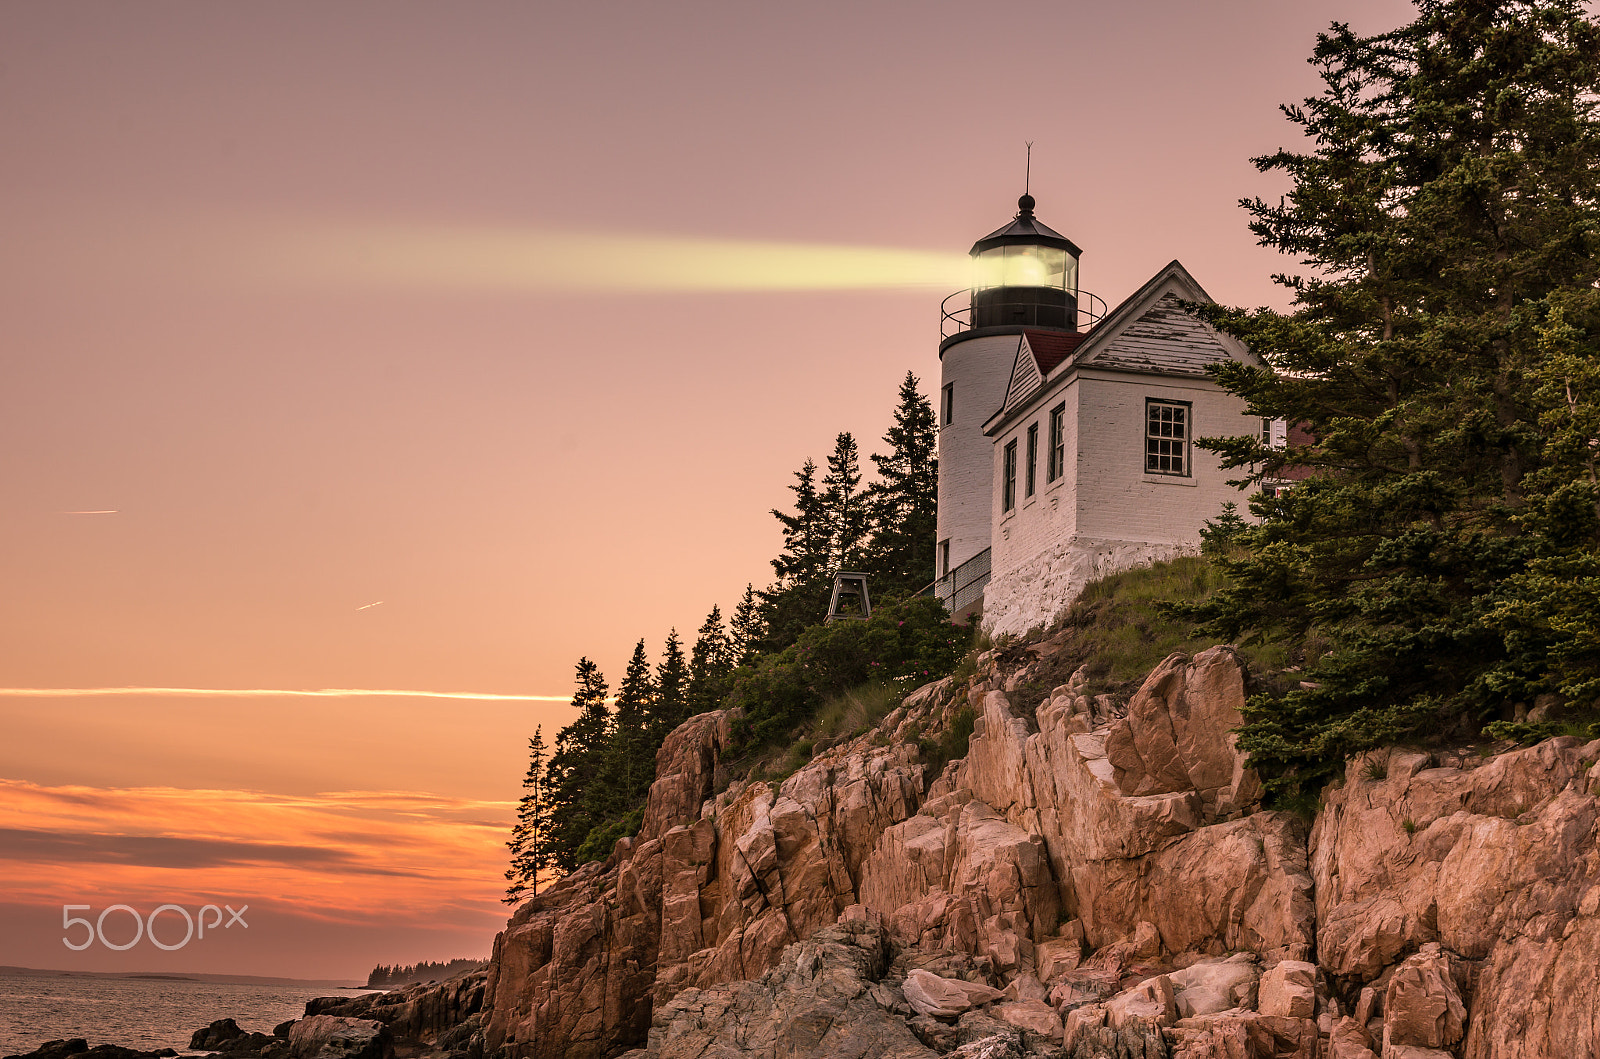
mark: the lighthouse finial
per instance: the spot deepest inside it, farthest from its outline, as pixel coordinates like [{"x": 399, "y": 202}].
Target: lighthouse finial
[{"x": 1025, "y": 203}]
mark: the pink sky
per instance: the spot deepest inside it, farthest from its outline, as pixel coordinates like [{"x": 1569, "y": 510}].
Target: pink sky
[{"x": 319, "y": 301}]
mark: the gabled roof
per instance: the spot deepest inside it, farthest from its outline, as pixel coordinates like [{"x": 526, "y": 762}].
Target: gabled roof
[
  {"x": 1038, "y": 354},
  {"x": 1149, "y": 333}
]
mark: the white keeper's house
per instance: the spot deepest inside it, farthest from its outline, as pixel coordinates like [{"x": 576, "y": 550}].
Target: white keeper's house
[{"x": 1066, "y": 432}]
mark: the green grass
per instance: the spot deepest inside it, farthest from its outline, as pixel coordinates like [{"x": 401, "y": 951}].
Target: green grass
[
  {"x": 952, "y": 742},
  {"x": 1120, "y": 628},
  {"x": 853, "y": 712}
]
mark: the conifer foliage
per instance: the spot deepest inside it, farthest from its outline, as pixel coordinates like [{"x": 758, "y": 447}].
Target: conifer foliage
[
  {"x": 593, "y": 788},
  {"x": 531, "y": 845},
  {"x": 884, "y": 529},
  {"x": 1442, "y": 356},
  {"x": 576, "y": 803}
]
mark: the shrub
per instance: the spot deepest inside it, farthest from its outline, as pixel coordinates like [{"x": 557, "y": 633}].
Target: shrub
[
  {"x": 905, "y": 644},
  {"x": 597, "y": 843},
  {"x": 952, "y": 742}
]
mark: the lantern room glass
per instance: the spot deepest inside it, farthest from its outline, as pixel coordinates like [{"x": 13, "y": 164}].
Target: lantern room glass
[{"x": 1025, "y": 265}]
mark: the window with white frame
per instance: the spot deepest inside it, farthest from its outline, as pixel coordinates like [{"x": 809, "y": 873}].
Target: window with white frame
[
  {"x": 1166, "y": 437},
  {"x": 1058, "y": 442},
  {"x": 1008, "y": 477},
  {"x": 1033, "y": 459},
  {"x": 947, "y": 410}
]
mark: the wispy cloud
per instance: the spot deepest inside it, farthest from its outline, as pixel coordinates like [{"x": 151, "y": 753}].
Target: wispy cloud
[
  {"x": 109, "y": 511},
  {"x": 275, "y": 693}
]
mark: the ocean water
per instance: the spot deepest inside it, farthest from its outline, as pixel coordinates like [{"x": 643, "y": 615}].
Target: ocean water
[{"x": 145, "y": 1013}]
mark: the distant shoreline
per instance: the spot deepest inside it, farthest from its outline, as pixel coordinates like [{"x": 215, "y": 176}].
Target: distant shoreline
[{"x": 188, "y": 976}]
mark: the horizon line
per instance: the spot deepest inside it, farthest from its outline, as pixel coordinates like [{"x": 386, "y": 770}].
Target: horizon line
[{"x": 262, "y": 693}]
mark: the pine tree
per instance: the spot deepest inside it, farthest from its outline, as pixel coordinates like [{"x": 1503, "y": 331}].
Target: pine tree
[
  {"x": 746, "y": 629},
  {"x": 629, "y": 765},
  {"x": 710, "y": 663},
  {"x": 530, "y": 837},
  {"x": 576, "y": 804},
  {"x": 844, "y": 505},
  {"x": 799, "y": 597},
  {"x": 903, "y": 503},
  {"x": 807, "y": 534},
  {"x": 672, "y": 689},
  {"x": 1449, "y": 213}
]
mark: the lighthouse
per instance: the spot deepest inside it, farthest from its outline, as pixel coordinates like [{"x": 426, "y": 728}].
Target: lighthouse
[{"x": 1024, "y": 288}]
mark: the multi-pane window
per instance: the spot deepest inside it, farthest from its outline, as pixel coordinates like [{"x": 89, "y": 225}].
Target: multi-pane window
[
  {"x": 1166, "y": 437},
  {"x": 1058, "y": 441},
  {"x": 1033, "y": 459},
  {"x": 947, "y": 404},
  {"x": 1008, "y": 477}
]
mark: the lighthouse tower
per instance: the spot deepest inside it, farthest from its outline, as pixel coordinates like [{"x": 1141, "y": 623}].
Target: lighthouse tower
[{"x": 1024, "y": 282}]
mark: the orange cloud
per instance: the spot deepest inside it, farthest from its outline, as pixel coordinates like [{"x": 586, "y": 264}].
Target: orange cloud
[{"x": 348, "y": 856}]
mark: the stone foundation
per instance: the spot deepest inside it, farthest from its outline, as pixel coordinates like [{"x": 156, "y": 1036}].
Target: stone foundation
[{"x": 1033, "y": 594}]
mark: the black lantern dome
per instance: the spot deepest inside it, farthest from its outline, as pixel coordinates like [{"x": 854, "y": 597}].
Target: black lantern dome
[{"x": 1025, "y": 274}]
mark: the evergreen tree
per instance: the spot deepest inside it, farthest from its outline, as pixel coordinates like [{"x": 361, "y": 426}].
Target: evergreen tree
[
  {"x": 710, "y": 664},
  {"x": 807, "y": 534},
  {"x": 672, "y": 689},
  {"x": 576, "y": 803},
  {"x": 844, "y": 505},
  {"x": 799, "y": 596},
  {"x": 1441, "y": 354},
  {"x": 629, "y": 765},
  {"x": 903, "y": 503},
  {"x": 530, "y": 837},
  {"x": 746, "y": 629}
]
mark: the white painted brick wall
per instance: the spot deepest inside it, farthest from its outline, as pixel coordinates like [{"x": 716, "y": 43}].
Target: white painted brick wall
[
  {"x": 1107, "y": 514},
  {"x": 980, "y": 368}
]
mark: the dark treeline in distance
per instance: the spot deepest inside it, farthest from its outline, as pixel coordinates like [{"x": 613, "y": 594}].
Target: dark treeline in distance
[{"x": 384, "y": 976}]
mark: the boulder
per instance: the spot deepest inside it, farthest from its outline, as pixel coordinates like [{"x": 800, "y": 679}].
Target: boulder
[
  {"x": 1349, "y": 1040},
  {"x": 1210, "y": 986},
  {"x": 816, "y": 1003},
  {"x": 78, "y": 1048},
  {"x": 336, "y": 1037},
  {"x": 1152, "y": 1001},
  {"x": 215, "y": 1035},
  {"x": 1178, "y": 734},
  {"x": 1035, "y": 1016},
  {"x": 414, "y": 1014},
  {"x": 1422, "y": 1007},
  {"x": 940, "y": 997},
  {"x": 1244, "y": 1035},
  {"x": 1289, "y": 990}
]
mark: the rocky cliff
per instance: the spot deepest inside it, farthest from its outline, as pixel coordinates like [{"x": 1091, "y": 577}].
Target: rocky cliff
[{"x": 1092, "y": 878}]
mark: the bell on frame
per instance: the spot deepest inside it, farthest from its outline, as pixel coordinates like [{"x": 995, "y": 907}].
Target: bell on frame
[{"x": 850, "y": 599}]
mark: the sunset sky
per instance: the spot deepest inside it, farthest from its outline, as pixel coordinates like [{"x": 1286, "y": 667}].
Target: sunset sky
[{"x": 424, "y": 348}]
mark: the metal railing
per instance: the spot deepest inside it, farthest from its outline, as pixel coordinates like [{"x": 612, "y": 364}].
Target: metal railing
[
  {"x": 958, "y": 319},
  {"x": 962, "y": 587}
]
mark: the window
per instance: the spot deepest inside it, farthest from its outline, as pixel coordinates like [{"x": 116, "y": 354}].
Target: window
[
  {"x": 944, "y": 557},
  {"x": 1058, "y": 441},
  {"x": 1033, "y": 458},
  {"x": 1166, "y": 437},
  {"x": 1008, "y": 479},
  {"x": 947, "y": 404}
]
